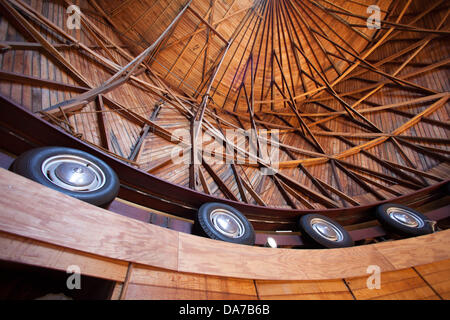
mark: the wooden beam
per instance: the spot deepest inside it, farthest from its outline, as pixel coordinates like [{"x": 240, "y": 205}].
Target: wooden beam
[
  {"x": 29, "y": 31},
  {"x": 138, "y": 145},
  {"x": 208, "y": 24},
  {"x": 38, "y": 82},
  {"x": 220, "y": 183},
  {"x": 104, "y": 137}
]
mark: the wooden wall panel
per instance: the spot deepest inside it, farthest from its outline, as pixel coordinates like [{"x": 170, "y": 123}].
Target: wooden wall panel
[
  {"x": 260, "y": 263},
  {"x": 143, "y": 292},
  {"x": 101, "y": 243},
  {"x": 431, "y": 283},
  {"x": 401, "y": 253},
  {"x": 303, "y": 290},
  {"x": 96, "y": 230},
  {"x": 437, "y": 275},
  {"x": 22, "y": 250},
  {"x": 152, "y": 283},
  {"x": 77, "y": 225},
  {"x": 401, "y": 285}
]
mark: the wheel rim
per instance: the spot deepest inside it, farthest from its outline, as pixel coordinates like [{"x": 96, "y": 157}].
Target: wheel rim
[
  {"x": 405, "y": 217},
  {"x": 227, "y": 223},
  {"x": 73, "y": 173},
  {"x": 326, "y": 229}
]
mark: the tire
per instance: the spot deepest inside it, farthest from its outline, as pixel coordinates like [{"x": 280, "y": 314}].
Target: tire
[
  {"x": 11, "y": 166},
  {"x": 389, "y": 215},
  {"x": 209, "y": 218},
  {"x": 311, "y": 224},
  {"x": 52, "y": 160}
]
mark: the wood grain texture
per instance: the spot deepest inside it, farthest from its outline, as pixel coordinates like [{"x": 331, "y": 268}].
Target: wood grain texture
[
  {"x": 265, "y": 263},
  {"x": 407, "y": 151},
  {"x": 117, "y": 291},
  {"x": 36, "y": 253},
  {"x": 149, "y": 283},
  {"x": 437, "y": 275},
  {"x": 69, "y": 223},
  {"x": 396, "y": 285},
  {"x": 144, "y": 292},
  {"x": 311, "y": 296},
  {"x": 400, "y": 253},
  {"x": 296, "y": 49},
  {"x": 303, "y": 290},
  {"x": 406, "y": 284},
  {"x": 153, "y": 276}
]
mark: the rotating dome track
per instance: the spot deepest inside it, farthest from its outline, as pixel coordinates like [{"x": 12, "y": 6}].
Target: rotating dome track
[{"x": 361, "y": 114}]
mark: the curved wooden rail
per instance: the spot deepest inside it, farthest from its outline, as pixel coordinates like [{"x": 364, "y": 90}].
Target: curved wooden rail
[
  {"x": 33, "y": 211},
  {"x": 150, "y": 191}
]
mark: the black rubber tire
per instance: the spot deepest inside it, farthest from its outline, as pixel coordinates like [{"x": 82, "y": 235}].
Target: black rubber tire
[
  {"x": 205, "y": 227},
  {"x": 29, "y": 165},
  {"x": 11, "y": 166},
  {"x": 398, "y": 228},
  {"x": 310, "y": 235}
]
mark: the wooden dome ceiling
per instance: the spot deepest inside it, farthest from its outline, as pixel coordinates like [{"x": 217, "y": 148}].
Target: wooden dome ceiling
[
  {"x": 293, "y": 46},
  {"x": 362, "y": 113}
]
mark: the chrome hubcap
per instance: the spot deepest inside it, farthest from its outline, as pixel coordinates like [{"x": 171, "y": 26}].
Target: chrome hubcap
[
  {"x": 326, "y": 229},
  {"x": 405, "y": 217},
  {"x": 227, "y": 223},
  {"x": 73, "y": 173}
]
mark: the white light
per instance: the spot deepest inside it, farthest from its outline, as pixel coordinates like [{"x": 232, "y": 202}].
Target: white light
[{"x": 270, "y": 243}]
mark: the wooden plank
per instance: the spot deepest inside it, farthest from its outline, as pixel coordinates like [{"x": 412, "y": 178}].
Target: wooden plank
[
  {"x": 153, "y": 283},
  {"x": 35, "y": 81},
  {"x": 259, "y": 263},
  {"x": 430, "y": 268},
  {"x": 117, "y": 291},
  {"x": 400, "y": 253},
  {"x": 30, "y": 32},
  {"x": 420, "y": 293},
  {"x": 401, "y": 284},
  {"x": 31, "y": 252},
  {"x": 74, "y": 224},
  {"x": 143, "y": 292},
  {"x": 437, "y": 276},
  {"x": 77, "y": 225},
  {"x": 145, "y": 275},
  {"x": 253, "y": 193},
  {"x": 312, "y": 296},
  {"x": 208, "y": 24},
  {"x": 286, "y": 288}
]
